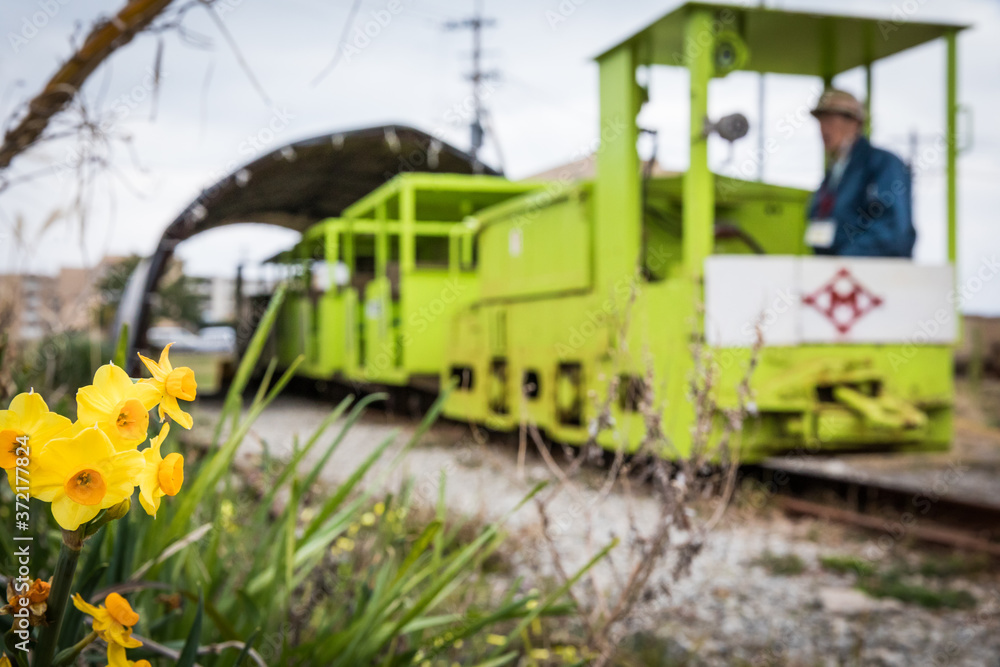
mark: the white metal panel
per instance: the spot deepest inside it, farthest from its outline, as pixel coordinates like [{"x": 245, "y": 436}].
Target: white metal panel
[
  {"x": 875, "y": 300},
  {"x": 742, "y": 290}
]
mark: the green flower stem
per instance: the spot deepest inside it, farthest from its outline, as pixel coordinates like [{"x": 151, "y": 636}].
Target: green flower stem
[
  {"x": 62, "y": 584},
  {"x": 69, "y": 655}
]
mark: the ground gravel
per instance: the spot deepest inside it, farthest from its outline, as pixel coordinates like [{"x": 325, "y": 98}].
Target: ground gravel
[{"x": 730, "y": 609}]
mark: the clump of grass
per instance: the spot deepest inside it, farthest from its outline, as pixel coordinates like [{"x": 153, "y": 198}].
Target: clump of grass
[
  {"x": 782, "y": 565},
  {"x": 955, "y": 565},
  {"x": 846, "y": 564},
  {"x": 892, "y": 585},
  {"x": 896, "y": 582}
]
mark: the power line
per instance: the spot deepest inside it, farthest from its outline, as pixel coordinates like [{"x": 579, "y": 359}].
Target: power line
[{"x": 340, "y": 44}]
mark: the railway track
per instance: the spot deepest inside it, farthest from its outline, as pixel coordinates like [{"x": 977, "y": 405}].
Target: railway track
[{"x": 882, "y": 504}]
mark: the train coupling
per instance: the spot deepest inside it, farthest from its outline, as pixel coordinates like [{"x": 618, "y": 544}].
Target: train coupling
[{"x": 882, "y": 412}]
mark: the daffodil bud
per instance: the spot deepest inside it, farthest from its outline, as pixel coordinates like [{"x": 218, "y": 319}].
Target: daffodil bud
[
  {"x": 111, "y": 514},
  {"x": 119, "y": 510}
]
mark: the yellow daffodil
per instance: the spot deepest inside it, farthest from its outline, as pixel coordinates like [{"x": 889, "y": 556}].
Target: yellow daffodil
[
  {"x": 4, "y": 661},
  {"x": 29, "y": 417},
  {"x": 172, "y": 383},
  {"x": 162, "y": 476},
  {"x": 113, "y": 623},
  {"x": 82, "y": 475},
  {"x": 118, "y": 405}
]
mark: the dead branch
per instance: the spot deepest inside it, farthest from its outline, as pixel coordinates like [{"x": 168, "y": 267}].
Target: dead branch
[
  {"x": 677, "y": 481},
  {"x": 104, "y": 39}
]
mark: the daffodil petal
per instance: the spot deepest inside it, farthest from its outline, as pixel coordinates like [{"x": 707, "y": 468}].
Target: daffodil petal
[
  {"x": 149, "y": 498},
  {"x": 71, "y": 515},
  {"x": 30, "y": 407},
  {"x": 9, "y": 419},
  {"x": 173, "y": 409},
  {"x": 117, "y": 441},
  {"x": 49, "y": 426},
  {"x": 116, "y": 656},
  {"x": 147, "y": 394},
  {"x": 124, "y": 468},
  {"x": 85, "y": 606},
  {"x": 165, "y": 358},
  {"x": 153, "y": 368},
  {"x": 45, "y": 484},
  {"x": 158, "y": 440},
  {"x": 119, "y": 634},
  {"x": 67, "y": 455},
  {"x": 92, "y": 405},
  {"x": 149, "y": 478},
  {"x": 113, "y": 382}
]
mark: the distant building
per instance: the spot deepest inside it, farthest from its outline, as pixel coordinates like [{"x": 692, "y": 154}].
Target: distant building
[
  {"x": 219, "y": 296},
  {"x": 33, "y": 306}
]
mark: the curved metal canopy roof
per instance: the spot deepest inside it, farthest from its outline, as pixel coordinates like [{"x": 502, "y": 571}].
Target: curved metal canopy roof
[{"x": 293, "y": 186}]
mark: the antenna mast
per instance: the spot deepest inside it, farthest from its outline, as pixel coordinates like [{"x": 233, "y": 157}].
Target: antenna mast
[{"x": 476, "y": 23}]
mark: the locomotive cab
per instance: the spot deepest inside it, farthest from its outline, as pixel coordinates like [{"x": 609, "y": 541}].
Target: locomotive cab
[{"x": 608, "y": 281}]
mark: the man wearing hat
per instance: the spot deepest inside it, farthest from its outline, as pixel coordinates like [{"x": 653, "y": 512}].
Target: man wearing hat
[{"x": 863, "y": 207}]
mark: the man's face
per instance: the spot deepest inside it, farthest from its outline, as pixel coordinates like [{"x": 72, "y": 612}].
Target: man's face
[{"x": 837, "y": 130}]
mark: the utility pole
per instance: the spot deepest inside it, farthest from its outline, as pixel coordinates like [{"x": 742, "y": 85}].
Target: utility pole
[{"x": 476, "y": 23}]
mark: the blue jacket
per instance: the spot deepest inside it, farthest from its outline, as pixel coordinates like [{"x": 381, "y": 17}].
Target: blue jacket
[{"x": 872, "y": 207}]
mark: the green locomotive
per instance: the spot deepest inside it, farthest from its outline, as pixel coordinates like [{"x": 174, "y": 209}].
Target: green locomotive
[{"x": 532, "y": 297}]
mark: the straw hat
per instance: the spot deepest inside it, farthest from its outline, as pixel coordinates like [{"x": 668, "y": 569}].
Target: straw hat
[{"x": 840, "y": 102}]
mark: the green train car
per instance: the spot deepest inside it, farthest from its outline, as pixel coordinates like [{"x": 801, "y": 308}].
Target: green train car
[{"x": 532, "y": 297}]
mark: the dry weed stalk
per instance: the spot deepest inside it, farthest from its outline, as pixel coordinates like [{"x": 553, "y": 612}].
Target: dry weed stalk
[{"x": 676, "y": 481}]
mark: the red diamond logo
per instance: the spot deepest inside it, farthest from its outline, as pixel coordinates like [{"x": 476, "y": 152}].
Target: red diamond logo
[{"x": 843, "y": 300}]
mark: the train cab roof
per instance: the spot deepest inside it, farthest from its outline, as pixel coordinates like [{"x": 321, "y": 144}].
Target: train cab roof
[{"x": 788, "y": 42}]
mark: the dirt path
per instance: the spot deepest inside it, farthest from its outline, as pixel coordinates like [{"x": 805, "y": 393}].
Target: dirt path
[{"x": 734, "y": 608}]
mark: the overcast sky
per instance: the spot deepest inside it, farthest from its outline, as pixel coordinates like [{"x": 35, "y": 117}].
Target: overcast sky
[{"x": 208, "y": 115}]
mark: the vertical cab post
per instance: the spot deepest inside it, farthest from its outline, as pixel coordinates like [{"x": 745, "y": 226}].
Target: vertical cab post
[
  {"x": 617, "y": 219},
  {"x": 408, "y": 217},
  {"x": 698, "y": 189},
  {"x": 951, "y": 113},
  {"x": 952, "y": 130}
]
